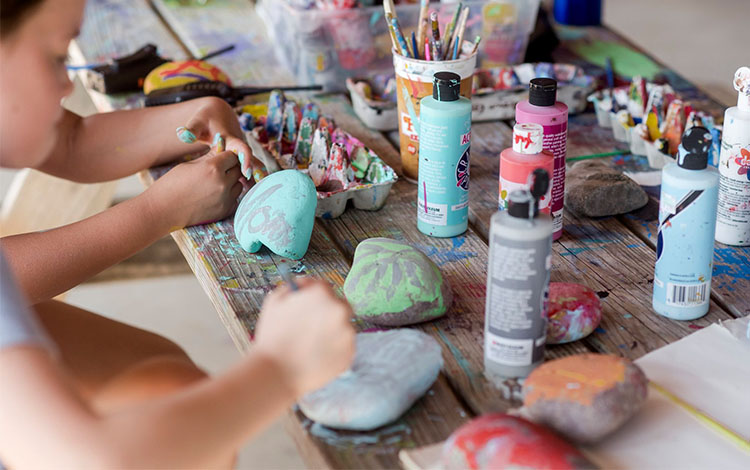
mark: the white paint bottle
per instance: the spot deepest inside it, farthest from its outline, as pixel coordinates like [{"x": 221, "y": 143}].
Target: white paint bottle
[
  {"x": 733, "y": 215},
  {"x": 515, "y": 322}
]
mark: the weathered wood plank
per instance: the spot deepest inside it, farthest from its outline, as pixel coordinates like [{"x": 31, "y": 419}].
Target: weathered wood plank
[
  {"x": 206, "y": 28},
  {"x": 600, "y": 253},
  {"x": 114, "y": 28}
]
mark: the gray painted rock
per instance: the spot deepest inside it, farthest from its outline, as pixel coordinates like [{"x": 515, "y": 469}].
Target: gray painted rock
[
  {"x": 391, "y": 370},
  {"x": 595, "y": 190},
  {"x": 392, "y": 283},
  {"x": 585, "y": 397}
]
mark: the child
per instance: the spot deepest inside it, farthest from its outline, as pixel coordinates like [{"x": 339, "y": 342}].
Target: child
[{"x": 79, "y": 390}]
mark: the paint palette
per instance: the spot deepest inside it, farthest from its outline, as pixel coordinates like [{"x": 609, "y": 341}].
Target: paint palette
[
  {"x": 495, "y": 92},
  {"x": 289, "y": 135}
]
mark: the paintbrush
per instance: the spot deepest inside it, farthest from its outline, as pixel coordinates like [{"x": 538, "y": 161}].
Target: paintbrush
[
  {"x": 459, "y": 35},
  {"x": 448, "y": 35},
  {"x": 598, "y": 155},
  {"x": 286, "y": 275},
  {"x": 422, "y": 27},
  {"x": 712, "y": 423}
]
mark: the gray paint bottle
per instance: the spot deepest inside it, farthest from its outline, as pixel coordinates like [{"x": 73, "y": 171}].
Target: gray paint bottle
[{"x": 515, "y": 327}]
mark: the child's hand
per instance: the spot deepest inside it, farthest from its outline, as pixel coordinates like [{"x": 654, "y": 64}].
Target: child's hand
[
  {"x": 214, "y": 116},
  {"x": 199, "y": 191},
  {"x": 307, "y": 333}
]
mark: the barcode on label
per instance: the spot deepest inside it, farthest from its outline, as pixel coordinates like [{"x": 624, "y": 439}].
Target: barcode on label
[{"x": 687, "y": 295}]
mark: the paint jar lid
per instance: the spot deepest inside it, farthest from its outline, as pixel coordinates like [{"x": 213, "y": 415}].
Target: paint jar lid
[
  {"x": 542, "y": 92},
  {"x": 446, "y": 86},
  {"x": 693, "y": 151},
  {"x": 524, "y": 203},
  {"x": 528, "y": 138}
]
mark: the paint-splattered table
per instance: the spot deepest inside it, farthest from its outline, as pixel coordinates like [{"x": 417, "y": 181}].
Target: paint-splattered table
[{"x": 613, "y": 255}]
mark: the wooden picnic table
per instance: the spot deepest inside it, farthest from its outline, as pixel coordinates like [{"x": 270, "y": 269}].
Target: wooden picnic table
[{"x": 612, "y": 255}]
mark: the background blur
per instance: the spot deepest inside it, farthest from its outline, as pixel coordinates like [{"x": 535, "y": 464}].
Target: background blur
[{"x": 703, "y": 41}]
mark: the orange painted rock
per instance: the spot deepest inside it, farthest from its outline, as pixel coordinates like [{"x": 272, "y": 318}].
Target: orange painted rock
[
  {"x": 585, "y": 397},
  {"x": 500, "y": 441},
  {"x": 179, "y": 73}
]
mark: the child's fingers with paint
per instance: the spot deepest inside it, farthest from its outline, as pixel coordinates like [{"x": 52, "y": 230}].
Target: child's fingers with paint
[{"x": 215, "y": 123}]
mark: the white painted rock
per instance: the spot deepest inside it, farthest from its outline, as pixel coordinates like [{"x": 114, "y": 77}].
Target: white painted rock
[{"x": 391, "y": 370}]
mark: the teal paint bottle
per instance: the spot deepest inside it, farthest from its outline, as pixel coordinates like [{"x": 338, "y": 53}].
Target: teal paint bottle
[
  {"x": 687, "y": 222},
  {"x": 444, "y": 142}
]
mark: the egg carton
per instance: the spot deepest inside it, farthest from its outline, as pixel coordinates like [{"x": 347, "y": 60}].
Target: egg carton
[
  {"x": 496, "y": 92},
  {"x": 340, "y": 165}
]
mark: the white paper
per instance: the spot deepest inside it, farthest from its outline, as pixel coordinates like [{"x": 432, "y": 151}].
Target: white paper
[{"x": 710, "y": 369}]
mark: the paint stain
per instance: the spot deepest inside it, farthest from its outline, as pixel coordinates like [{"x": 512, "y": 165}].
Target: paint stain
[
  {"x": 601, "y": 330},
  {"x": 603, "y": 294},
  {"x": 627, "y": 315},
  {"x": 695, "y": 327},
  {"x": 460, "y": 359}
]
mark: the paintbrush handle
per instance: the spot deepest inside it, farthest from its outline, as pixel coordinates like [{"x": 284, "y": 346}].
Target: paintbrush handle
[{"x": 707, "y": 420}]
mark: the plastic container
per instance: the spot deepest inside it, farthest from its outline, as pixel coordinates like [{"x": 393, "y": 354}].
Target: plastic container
[{"x": 359, "y": 43}]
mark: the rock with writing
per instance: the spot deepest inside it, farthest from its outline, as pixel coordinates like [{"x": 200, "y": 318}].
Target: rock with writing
[
  {"x": 585, "y": 397},
  {"x": 574, "y": 312},
  {"x": 392, "y": 283},
  {"x": 593, "y": 189},
  {"x": 500, "y": 441},
  {"x": 391, "y": 370},
  {"x": 278, "y": 212}
]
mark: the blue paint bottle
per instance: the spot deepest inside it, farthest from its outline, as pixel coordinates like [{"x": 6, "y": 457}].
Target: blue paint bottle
[
  {"x": 687, "y": 222},
  {"x": 444, "y": 141}
]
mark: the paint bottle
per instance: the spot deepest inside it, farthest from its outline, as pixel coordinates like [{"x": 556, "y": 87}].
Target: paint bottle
[
  {"x": 543, "y": 108},
  {"x": 518, "y": 162},
  {"x": 515, "y": 324},
  {"x": 444, "y": 142},
  {"x": 733, "y": 221},
  {"x": 687, "y": 222}
]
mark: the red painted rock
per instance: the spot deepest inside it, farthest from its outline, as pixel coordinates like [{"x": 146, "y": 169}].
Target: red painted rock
[
  {"x": 585, "y": 397},
  {"x": 574, "y": 312},
  {"x": 500, "y": 441}
]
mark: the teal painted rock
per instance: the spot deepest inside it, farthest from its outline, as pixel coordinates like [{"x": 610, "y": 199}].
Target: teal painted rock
[
  {"x": 278, "y": 212},
  {"x": 392, "y": 283}
]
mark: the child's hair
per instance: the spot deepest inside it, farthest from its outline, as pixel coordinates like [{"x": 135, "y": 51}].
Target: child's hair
[{"x": 13, "y": 12}]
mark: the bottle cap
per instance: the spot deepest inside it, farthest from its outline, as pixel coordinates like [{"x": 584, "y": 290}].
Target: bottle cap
[
  {"x": 446, "y": 86},
  {"x": 527, "y": 138},
  {"x": 542, "y": 92},
  {"x": 693, "y": 151},
  {"x": 742, "y": 85},
  {"x": 524, "y": 203}
]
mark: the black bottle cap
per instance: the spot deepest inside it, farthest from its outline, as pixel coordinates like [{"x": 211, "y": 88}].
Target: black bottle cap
[
  {"x": 524, "y": 204},
  {"x": 542, "y": 92},
  {"x": 446, "y": 86},
  {"x": 693, "y": 151}
]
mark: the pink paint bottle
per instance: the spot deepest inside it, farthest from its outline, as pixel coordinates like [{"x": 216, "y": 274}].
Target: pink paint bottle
[
  {"x": 543, "y": 108},
  {"x": 518, "y": 162}
]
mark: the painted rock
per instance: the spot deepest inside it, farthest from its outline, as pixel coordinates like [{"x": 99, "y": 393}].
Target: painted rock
[
  {"x": 574, "y": 312},
  {"x": 391, "y": 370},
  {"x": 360, "y": 161},
  {"x": 321, "y": 148},
  {"x": 392, "y": 283},
  {"x": 500, "y": 441},
  {"x": 278, "y": 212},
  {"x": 585, "y": 397},
  {"x": 595, "y": 190},
  {"x": 171, "y": 74}
]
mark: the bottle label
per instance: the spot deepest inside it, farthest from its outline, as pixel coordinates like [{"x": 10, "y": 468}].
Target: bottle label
[
  {"x": 685, "y": 245},
  {"x": 733, "y": 217},
  {"x": 516, "y": 308},
  {"x": 507, "y": 187},
  {"x": 444, "y": 163},
  {"x": 687, "y": 295}
]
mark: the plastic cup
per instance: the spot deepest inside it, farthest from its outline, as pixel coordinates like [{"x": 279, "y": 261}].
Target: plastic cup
[{"x": 414, "y": 82}]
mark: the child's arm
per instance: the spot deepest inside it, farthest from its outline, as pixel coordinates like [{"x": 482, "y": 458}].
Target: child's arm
[
  {"x": 109, "y": 146},
  {"x": 51, "y": 262},
  {"x": 303, "y": 340}
]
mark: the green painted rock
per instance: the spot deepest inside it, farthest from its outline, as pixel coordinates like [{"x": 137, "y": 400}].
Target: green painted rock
[
  {"x": 392, "y": 283},
  {"x": 278, "y": 212}
]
